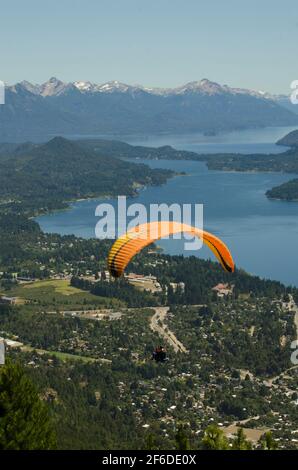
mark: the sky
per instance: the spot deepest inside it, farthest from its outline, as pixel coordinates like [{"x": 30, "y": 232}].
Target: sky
[{"x": 166, "y": 43}]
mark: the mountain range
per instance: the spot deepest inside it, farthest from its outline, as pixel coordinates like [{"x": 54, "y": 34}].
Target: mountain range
[{"x": 39, "y": 112}]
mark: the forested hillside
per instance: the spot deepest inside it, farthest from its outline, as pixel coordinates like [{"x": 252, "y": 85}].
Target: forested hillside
[{"x": 47, "y": 176}]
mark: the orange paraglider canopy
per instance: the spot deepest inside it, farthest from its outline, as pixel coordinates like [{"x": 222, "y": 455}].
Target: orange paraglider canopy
[{"x": 133, "y": 241}]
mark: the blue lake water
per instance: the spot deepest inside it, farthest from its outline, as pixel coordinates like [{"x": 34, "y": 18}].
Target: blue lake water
[
  {"x": 262, "y": 234},
  {"x": 246, "y": 141}
]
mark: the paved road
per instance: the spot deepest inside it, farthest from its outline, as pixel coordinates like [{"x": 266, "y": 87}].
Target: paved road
[
  {"x": 291, "y": 306},
  {"x": 157, "y": 324}
]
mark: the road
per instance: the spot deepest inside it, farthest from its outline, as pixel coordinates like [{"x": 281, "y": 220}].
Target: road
[
  {"x": 158, "y": 326},
  {"x": 296, "y": 319},
  {"x": 157, "y": 322},
  {"x": 290, "y": 306}
]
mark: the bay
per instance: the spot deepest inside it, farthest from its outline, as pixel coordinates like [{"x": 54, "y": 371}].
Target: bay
[{"x": 262, "y": 234}]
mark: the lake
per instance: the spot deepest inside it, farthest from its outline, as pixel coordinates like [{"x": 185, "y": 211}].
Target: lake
[
  {"x": 246, "y": 141},
  {"x": 261, "y": 234}
]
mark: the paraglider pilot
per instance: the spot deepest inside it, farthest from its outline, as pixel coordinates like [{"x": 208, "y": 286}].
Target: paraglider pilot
[{"x": 159, "y": 354}]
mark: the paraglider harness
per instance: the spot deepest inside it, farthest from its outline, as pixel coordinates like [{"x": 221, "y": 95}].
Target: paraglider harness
[{"x": 159, "y": 354}]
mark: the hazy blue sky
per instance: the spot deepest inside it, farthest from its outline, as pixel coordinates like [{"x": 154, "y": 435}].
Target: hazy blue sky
[{"x": 155, "y": 42}]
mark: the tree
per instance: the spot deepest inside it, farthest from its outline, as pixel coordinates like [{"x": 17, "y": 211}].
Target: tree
[
  {"x": 214, "y": 439},
  {"x": 181, "y": 440},
  {"x": 240, "y": 442},
  {"x": 151, "y": 442},
  {"x": 267, "y": 442},
  {"x": 24, "y": 418}
]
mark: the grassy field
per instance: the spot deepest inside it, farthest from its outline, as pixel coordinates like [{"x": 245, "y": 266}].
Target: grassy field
[
  {"x": 60, "y": 286},
  {"x": 63, "y": 356},
  {"x": 55, "y": 292}
]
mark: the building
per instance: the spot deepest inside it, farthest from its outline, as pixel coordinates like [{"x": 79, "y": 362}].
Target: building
[
  {"x": 24, "y": 279},
  {"x": 10, "y": 300},
  {"x": 223, "y": 289},
  {"x": 178, "y": 286},
  {"x": 10, "y": 343},
  {"x": 148, "y": 283},
  {"x": 105, "y": 276}
]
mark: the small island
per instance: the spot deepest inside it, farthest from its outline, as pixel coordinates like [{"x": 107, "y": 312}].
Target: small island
[{"x": 287, "y": 191}]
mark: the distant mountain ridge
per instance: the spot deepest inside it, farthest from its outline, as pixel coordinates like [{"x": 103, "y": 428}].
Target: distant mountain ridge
[
  {"x": 39, "y": 112},
  {"x": 289, "y": 140},
  {"x": 54, "y": 87}
]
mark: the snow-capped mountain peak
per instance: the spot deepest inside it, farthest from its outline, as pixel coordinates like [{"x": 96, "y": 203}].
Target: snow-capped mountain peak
[
  {"x": 84, "y": 107},
  {"x": 32, "y": 88},
  {"x": 53, "y": 87},
  {"x": 85, "y": 86},
  {"x": 56, "y": 87},
  {"x": 201, "y": 86},
  {"x": 114, "y": 85}
]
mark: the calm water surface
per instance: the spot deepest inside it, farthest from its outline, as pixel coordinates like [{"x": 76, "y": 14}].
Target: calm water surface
[{"x": 262, "y": 234}]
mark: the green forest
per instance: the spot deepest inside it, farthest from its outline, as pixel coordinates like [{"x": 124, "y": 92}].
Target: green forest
[
  {"x": 287, "y": 191},
  {"x": 79, "y": 347}
]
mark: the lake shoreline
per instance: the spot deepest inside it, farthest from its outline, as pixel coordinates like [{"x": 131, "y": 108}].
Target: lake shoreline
[{"x": 235, "y": 208}]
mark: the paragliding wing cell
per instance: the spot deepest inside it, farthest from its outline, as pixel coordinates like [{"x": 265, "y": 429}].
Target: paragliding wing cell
[{"x": 133, "y": 241}]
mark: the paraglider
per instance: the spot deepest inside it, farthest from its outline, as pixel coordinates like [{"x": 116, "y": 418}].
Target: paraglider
[
  {"x": 134, "y": 240},
  {"x": 159, "y": 354}
]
